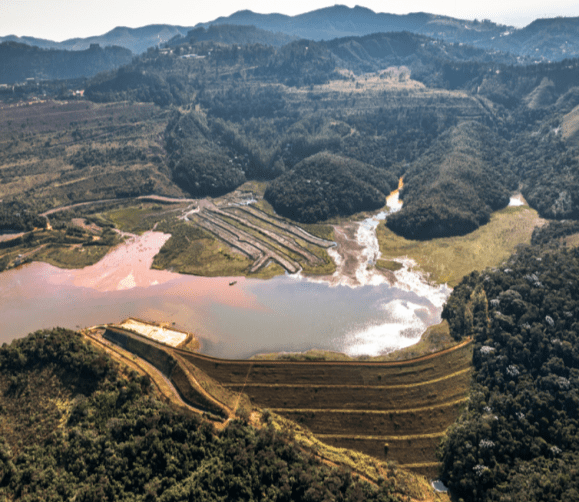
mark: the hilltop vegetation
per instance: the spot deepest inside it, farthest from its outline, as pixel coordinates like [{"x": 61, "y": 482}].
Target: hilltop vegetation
[
  {"x": 325, "y": 185},
  {"x": 231, "y": 34},
  {"x": 455, "y": 186}
]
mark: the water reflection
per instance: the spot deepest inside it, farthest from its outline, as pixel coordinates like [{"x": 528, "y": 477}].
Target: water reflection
[{"x": 253, "y": 316}]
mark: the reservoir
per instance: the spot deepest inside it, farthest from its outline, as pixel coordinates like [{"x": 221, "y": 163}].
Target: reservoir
[{"x": 288, "y": 313}]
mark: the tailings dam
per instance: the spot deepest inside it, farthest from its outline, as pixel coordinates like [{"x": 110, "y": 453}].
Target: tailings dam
[{"x": 391, "y": 410}]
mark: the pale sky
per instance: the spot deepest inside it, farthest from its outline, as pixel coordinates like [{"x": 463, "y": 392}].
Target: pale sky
[{"x": 63, "y": 19}]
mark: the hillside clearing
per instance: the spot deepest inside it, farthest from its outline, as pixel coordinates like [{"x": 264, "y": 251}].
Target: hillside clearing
[{"x": 448, "y": 260}]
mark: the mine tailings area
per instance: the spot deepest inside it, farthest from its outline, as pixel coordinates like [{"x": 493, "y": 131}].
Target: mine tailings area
[{"x": 396, "y": 411}]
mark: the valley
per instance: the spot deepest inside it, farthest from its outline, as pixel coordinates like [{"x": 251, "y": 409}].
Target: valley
[{"x": 305, "y": 268}]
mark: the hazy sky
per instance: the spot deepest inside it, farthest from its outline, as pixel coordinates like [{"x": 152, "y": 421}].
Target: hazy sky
[{"x": 63, "y": 19}]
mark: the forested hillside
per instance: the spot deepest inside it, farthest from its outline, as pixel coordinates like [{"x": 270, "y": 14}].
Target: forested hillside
[
  {"x": 453, "y": 188},
  {"x": 465, "y": 127},
  {"x": 73, "y": 426},
  {"x": 325, "y": 185},
  {"x": 20, "y": 62},
  {"x": 517, "y": 439}
]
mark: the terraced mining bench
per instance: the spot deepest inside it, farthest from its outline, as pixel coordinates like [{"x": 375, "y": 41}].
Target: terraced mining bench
[{"x": 392, "y": 411}]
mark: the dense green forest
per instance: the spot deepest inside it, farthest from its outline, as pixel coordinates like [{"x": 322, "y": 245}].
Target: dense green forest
[
  {"x": 518, "y": 439},
  {"x": 326, "y": 185},
  {"x": 453, "y": 188},
  {"x": 16, "y": 216},
  {"x": 75, "y": 427}
]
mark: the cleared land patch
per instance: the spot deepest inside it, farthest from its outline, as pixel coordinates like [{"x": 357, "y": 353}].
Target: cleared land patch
[{"x": 260, "y": 238}]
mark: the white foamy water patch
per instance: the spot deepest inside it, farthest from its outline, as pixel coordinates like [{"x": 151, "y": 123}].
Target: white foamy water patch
[
  {"x": 439, "y": 486},
  {"x": 402, "y": 329},
  {"x": 393, "y": 201},
  {"x": 403, "y": 322},
  {"x": 127, "y": 283},
  {"x": 366, "y": 274},
  {"x": 517, "y": 200},
  {"x": 338, "y": 278},
  {"x": 410, "y": 279}
]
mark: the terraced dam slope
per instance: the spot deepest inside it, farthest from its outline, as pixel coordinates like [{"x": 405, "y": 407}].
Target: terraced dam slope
[{"x": 392, "y": 411}]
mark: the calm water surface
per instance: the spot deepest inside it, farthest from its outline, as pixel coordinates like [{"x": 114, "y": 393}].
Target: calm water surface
[{"x": 253, "y": 316}]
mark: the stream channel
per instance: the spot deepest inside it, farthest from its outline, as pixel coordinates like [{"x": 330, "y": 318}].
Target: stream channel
[{"x": 356, "y": 311}]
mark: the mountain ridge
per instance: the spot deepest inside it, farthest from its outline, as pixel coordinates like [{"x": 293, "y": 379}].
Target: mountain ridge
[{"x": 544, "y": 38}]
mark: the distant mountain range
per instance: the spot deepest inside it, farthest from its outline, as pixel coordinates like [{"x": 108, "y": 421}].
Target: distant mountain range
[
  {"x": 137, "y": 40},
  {"x": 544, "y": 39}
]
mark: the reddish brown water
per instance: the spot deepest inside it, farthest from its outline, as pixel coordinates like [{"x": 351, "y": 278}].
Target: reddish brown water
[{"x": 252, "y": 316}]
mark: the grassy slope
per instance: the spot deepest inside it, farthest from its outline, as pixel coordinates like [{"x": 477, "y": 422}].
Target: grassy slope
[
  {"x": 447, "y": 260},
  {"x": 361, "y": 406},
  {"x": 140, "y": 218},
  {"x": 407, "y": 483}
]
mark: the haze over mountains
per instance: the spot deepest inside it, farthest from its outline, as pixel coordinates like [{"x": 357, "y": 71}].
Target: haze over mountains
[{"x": 544, "y": 39}]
